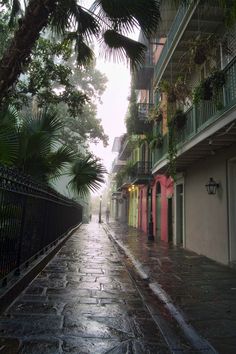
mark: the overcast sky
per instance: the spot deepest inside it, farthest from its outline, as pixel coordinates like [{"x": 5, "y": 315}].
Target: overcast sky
[{"x": 114, "y": 106}]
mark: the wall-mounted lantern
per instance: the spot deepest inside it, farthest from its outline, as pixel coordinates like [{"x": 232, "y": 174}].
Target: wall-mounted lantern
[{"x": 212, "y": 186}]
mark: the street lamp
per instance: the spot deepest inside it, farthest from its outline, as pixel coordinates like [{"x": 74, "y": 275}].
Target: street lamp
[{"x": 100, "y": 210}]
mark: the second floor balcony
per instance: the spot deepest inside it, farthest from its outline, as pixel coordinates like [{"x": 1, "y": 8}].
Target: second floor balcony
[
  {"x": 141, "y": 172},
  {"x": 206, "y": 130}
]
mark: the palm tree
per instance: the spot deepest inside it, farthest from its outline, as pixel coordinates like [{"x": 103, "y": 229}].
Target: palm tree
[
  {"x": 32, "y": 147},
  {"x": 86, "y": 175},
  {"x": 110, "y": 20}
]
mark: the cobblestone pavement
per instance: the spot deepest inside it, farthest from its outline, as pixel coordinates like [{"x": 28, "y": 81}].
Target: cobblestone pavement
[
  {"x": 84, "y": 301},
  {"x": 203, "y": 290}
]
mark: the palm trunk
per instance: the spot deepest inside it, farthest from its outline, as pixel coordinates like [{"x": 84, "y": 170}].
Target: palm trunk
[{"x": 18, "y": 53}]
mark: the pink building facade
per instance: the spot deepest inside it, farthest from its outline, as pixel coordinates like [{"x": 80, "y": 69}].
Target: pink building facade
[{"x": 162, "y": 193}]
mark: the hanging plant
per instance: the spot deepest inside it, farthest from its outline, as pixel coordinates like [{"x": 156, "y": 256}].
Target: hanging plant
[
  {"x": 182, "y": 90},
  {"x": 202, "y": 48},
  {"x": 203, "y": 91},
  {"x": 209, "y": 88},
  {"x": 169, "y": 89},
  {"x": 179, "y": 91}
]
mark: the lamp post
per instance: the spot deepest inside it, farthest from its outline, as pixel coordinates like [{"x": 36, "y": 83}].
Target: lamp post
[
  {"x": 100, "y": 210},
  {"x": 150, "y": 223}
]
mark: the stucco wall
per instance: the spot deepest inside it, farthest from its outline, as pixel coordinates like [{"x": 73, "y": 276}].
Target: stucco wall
[
  {"x": 206, "y": 220},
  {"x": 166, "y": 191}
]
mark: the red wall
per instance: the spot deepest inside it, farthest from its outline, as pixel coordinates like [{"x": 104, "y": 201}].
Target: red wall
[{"x": 166, "y": 191}]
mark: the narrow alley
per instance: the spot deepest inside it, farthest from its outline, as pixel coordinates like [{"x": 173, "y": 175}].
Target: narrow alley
[
  {"x": 84, "y": 301},
  {"x": 110, "y": 290}
]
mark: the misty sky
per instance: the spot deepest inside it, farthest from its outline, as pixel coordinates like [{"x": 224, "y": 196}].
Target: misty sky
[{"x": 114, "y": 106}]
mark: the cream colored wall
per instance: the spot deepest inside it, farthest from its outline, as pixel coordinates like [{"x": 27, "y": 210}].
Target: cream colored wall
[
  {"x": 206, "y": 220},
  {"x": 133, "y": 207}
]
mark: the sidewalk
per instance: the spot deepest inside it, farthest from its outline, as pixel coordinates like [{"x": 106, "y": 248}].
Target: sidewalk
[
  {"x": 83, "y": 302},
  {"x": 197, "y": 291}
]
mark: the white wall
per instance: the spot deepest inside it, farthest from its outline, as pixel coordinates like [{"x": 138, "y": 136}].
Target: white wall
[{"x": 206, "y": 216}]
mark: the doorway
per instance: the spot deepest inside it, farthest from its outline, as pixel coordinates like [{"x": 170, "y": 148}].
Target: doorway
[
  {"x": 179, "y": 214},
  {"x": 170, "y": 220},
  {"x": 232, "y": 209},
  {"x": 158, "y": 211}
]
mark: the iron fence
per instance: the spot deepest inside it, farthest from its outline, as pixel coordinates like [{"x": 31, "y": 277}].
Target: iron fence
[{"x": 32, "y": 217}]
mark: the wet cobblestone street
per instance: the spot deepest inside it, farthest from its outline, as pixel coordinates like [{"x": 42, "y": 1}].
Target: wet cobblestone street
[{"x": 84, "y": 301}]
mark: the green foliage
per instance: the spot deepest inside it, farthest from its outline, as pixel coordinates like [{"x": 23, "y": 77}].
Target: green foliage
[
  {"x": 9, "y": 143},
  {"x": 134, "y": 124},
  {"x": 156, "y": 142},
  {"x": 86, "y": 175},
  {"x": 38, "y": 153},
  {"x": 155, "y": 113},
  {"x": 53, "y": 79},
  {"x": 210, "y": 88},
  {"x": 74, "y": 24},
  {"x": 177, "y": 91}
]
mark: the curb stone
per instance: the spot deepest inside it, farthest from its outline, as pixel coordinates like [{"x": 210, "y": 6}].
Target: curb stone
[{"x": 198, "y": 342}]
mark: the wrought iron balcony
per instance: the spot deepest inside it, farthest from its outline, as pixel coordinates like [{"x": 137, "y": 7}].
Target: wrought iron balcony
[
  {"x": 180, "y": 21},
  {"x": 201, "y": 117},
  {"x": 141, "y": 173}
]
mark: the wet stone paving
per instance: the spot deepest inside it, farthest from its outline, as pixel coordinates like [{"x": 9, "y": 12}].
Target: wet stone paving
[{"x": 84, "y": 301}]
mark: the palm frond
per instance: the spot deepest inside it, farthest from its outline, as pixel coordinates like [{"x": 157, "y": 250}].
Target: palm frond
[
  {"x": 49, "y": 122},
  {"x": 124, "y": 15},
  {"x": 87, "y": 175},
  {"x": 9, "y": 145},
  {"x": 58, "y": 160},
  {"x": 62, "y": 17},
  {"x": 120, "y": 47},
  {"x": 68, "y": 15},
  {"x": 85, "y": 55},
  {"x": 87, "y": 24},
  {"x": 9, "y": 117}
]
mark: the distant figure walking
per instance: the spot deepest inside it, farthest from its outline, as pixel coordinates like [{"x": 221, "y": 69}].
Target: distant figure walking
[
  {"x": 90, "y": 217},
  {"x": 107, "y": 215}
]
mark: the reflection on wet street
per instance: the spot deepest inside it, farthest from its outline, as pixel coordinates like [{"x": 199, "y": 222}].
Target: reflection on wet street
[{"x": 84, "y": 301}]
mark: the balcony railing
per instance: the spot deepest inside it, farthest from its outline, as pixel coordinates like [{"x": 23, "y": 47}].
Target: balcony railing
[
  {"x": 176, "y": 28},
  {"x": 32, "y": 218},
  {"x": 143, "y": 110},
  {"x": 142, "y": 168},
  {"x": 202, "y": 115}
]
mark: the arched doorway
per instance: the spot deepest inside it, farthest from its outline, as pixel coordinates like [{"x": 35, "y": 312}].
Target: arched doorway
[{"x": 158, "y": 210}]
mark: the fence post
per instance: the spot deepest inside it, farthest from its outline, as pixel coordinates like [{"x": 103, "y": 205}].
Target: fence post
[{"x": 22, "y": 227}]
